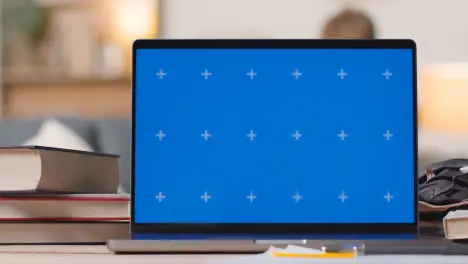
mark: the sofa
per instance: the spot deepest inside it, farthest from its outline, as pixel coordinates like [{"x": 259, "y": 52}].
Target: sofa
[
  {"x": 113, "y": 135},
  {"x": 102, "y": 135}
]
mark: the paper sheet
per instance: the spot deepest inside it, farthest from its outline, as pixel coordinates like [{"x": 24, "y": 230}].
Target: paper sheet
[{"x": 268, "y": 258}]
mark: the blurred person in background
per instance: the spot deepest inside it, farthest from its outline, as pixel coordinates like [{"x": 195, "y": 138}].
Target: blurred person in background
[{"x": 349, "y": 24}]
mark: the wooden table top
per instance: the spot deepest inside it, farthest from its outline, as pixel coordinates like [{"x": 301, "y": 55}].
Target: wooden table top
[
  {"x": 100, "y": 254},
  {"x": 92, "y": 255}
]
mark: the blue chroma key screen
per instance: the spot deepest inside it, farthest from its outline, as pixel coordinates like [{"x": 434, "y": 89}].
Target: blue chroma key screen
[{"x": 274, "y": 136}]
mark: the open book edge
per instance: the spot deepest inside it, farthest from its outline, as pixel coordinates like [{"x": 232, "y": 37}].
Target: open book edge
[{"x": 456, "y": 225}]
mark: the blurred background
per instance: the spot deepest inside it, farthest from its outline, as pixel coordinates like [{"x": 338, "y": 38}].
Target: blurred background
[{"x": 72, "y": 57}]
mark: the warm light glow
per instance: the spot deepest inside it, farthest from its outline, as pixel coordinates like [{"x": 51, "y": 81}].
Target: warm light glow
[
  {"x": 128, "y": 20},
  {"x": 135, "y": 18},
  {"x": 443, "y": 101}
]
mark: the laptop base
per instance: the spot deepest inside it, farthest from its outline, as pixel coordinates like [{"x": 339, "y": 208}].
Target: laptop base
[
  {"x": 128, "y": 246},
  {"x": 434, "y": 246}
]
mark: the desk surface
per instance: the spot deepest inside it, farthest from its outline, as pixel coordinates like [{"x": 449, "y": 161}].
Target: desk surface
[
  {"x": 99, "y": 254},
  {"x": 91, "y": 255}
]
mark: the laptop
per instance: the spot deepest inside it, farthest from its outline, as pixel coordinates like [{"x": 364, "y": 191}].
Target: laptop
[{"x": 243, "y": 144}]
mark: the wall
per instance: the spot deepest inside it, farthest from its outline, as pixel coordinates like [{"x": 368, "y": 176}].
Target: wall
[{"x": 439, "y": 27}]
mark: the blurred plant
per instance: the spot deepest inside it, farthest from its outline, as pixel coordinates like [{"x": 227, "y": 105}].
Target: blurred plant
[
  {"x": 23, "y": 19},
  {"x": 23, "y": 15}
]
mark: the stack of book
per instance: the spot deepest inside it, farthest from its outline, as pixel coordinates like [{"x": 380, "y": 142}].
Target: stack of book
[
  {"x": 452, "y": 219},
  {"x": 50, "y": 195}
]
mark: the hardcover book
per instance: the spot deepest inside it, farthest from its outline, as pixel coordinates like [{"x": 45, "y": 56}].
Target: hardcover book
[{"x": 53, "y": 170}]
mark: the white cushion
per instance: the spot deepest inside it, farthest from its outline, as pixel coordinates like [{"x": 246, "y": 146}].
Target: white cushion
[{"x": 57, "y": 135}]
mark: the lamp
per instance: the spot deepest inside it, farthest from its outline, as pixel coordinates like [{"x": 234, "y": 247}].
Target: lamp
[
  {"x": 443, "y": 112},
  {"x": 135, "y": 19},
  {"x": 132, "y": 19}
]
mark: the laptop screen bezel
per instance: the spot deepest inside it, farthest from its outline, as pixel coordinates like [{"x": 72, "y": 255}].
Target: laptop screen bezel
[{"x": 287, "y": 229}]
